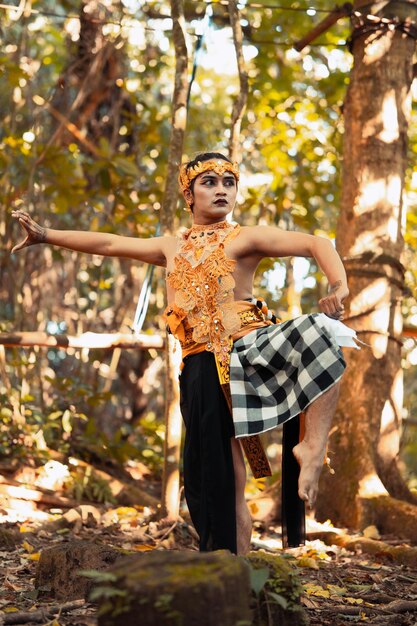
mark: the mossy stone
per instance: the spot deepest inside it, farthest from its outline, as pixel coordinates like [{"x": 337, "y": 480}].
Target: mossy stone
[{"x": 176, "y": 589}]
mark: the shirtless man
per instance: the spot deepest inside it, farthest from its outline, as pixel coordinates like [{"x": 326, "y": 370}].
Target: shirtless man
[{"x": 209, "y": 184}]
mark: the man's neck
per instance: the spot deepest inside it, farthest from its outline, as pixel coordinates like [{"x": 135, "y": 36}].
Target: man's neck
[{"x": 200, "y": 223}]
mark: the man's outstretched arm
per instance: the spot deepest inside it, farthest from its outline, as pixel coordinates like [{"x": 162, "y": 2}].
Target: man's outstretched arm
[{"x": 148, "y": 250}]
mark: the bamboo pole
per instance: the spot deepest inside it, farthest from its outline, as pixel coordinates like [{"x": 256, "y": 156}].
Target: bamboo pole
[{"x": 86, "y": 340}]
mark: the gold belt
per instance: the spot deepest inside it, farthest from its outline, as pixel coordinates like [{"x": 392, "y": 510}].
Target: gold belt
[{"x": 246, "y": 318}]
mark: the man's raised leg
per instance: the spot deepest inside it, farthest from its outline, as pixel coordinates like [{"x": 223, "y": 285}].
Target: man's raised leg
[{"x": 310, "y": 452}]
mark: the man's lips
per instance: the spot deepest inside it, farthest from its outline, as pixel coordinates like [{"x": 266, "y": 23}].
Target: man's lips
[{"x": 221, "y": 202}]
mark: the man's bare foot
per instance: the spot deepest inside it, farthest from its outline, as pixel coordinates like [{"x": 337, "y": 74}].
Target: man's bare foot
[{"x": 311, "y": 464}]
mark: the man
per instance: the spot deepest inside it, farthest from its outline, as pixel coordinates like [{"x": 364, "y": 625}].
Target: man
[{"x": 210, "y": 271}]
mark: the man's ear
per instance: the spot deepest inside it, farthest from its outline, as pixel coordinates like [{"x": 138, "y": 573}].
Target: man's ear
[{"x": 188, "y": 195}]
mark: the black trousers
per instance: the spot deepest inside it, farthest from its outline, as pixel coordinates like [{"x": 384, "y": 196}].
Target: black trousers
[{"x": 209, "y": 482}]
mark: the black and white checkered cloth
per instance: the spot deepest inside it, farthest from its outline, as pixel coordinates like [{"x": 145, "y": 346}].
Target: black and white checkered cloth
[{"x": 277, "y": 371}]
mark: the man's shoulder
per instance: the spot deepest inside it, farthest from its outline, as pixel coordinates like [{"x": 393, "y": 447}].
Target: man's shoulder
[
  {"x": 169, "y": 239},
  {"x": 255, "y": 232}
]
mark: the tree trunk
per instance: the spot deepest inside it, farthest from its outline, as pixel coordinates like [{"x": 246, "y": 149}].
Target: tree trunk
[
  {"x": 239, "y": 105},
  {"x": 59, "y": 566},
  {"x": 179, "y": 117},
  {"x": 365, "y": 441},
  {"x": 292, "y": 296},
  {"x": 390, "y": 516},
  {"x": 170, "y": 499}
]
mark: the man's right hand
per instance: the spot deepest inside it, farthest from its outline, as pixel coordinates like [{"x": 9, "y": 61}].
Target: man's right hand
[{"x": 34, "y": 232}]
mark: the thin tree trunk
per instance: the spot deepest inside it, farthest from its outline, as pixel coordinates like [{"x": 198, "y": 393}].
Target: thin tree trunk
[
  {"x": 179, "y": 117},
  {"x": 239, "y": 105},
  {"x": 365, "y": 442},
  {"x": 292, "y": 296},
  {"x": 170, "y": 499}
]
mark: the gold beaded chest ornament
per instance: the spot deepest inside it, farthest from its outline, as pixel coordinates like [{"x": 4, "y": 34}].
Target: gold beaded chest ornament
[{"x": 220, "y": 166}]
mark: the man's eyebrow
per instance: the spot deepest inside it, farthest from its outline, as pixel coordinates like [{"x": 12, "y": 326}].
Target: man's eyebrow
[{"x": 214, "y": 176}]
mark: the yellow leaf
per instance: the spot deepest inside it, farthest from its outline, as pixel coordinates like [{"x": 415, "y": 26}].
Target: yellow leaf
[
  {"x": 143, "y": 547},
  {"x": 311, "y": 552},
  {"x": 316, "y": 590},
  {"x": 27, "y": 546},
  {"x": 314, "y": 554},
  {"x": 254, "y": 508},
  {"x": 35, "y": 556},
  {"x": 354, "y": 600},
  {"x": 10, "y": 609},
  {"x": 335, "y": 590},
  {"x": 123, "y": 511},
  {"x": 371, "y": 532},
  {"x": 26, "y": 529},
  {"x": 307, "y": 561}
]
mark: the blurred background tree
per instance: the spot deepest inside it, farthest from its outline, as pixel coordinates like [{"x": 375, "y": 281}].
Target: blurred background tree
[{"x": 86, "y": 95}]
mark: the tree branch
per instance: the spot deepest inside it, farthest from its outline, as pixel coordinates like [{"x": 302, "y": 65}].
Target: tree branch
[{"x": 41, "y": 615}]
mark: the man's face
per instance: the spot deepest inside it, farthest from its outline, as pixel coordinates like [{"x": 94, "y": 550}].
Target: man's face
[{"x": 214, "y": 196}]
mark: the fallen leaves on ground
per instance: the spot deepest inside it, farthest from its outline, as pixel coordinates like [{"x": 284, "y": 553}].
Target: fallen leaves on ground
[{"x": 341, "y": 587}]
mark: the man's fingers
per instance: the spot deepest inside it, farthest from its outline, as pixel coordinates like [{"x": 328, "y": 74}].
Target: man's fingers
[
  {"x": 19, "y": 246},
  {"x": 332, "y": 306},
  {"x": 23, "y": 224},
  {"x": 24, "y": 218}
]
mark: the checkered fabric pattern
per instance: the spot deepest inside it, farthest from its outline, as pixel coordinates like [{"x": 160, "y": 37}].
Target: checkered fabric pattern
[{"x": 277, "y": 371}]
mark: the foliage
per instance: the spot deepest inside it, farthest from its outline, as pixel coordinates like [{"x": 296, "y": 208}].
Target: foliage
[
  {"x": 275, "y": 585},
  {"x": 85, "y": 484},
  {"x": 109, "y": 176}
]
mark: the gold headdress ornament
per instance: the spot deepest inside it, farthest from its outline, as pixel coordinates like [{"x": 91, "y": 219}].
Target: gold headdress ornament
[{"x": 220, "y": 166}]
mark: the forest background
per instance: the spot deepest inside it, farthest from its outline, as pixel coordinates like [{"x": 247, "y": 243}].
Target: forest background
[{"x": 86, "y": 92}]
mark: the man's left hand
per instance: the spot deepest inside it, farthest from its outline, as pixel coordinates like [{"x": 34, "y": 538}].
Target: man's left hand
[{"x": 332, "y": 304}]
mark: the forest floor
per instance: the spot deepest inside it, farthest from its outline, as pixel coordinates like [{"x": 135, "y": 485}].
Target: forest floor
[{"x": 341, "y": 586}]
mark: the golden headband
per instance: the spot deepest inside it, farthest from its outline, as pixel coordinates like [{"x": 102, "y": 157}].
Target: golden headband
[{"x": 220, "y": 166}]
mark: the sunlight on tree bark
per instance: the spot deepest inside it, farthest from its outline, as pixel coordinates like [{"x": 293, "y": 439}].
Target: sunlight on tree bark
[{"x": 364, "y": 446}]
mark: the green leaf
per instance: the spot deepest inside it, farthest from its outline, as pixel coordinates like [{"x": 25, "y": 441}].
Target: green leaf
[
  {"x": 66, "y": 421},
  {"x": 258, "y": 578},
  {"x": 98, "y": 576},
  {"x": 278, "y": 599},
  {"x": 126, "y": 166},
  {"x": 105, "y": 592}
]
